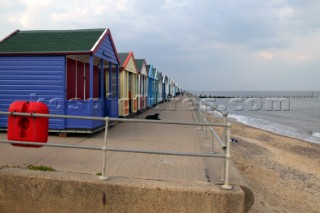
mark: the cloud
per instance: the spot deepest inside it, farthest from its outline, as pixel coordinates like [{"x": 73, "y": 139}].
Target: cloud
[
  {"x": 94, "y": 12},
  {"x": 265, "y": 55},
  {"x": 176, "y": 4},
  {"x": 201, "y": 44},
  {"x": 285, "y": 12}
]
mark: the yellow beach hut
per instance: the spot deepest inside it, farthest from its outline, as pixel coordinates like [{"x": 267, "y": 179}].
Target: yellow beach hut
[{"x": 128, "y": 103}]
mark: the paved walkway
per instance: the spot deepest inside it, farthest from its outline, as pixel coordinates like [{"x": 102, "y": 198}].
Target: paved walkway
[{"x": 130, "y": 135}]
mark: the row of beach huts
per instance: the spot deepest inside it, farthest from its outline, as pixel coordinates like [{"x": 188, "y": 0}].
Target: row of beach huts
[{"x": 78, "y": 72}]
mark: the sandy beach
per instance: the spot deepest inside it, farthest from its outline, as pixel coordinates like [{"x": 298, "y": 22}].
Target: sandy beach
[{"x": 284, "y": 173}]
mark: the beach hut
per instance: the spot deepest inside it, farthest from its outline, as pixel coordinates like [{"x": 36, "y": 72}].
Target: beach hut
[
  {"x": 172, "y": 88},
  {"x": 160, "y": 90},
  {"x": 63, "y": 69},
  {"x": 178, "y": 89},
  {"x": 165, "y": 88},
  {"x": 155, "y": 85},
  {"x": 142, "y": 84},
  {"x": 151, "y": 93},
  {"x": 128, "y": 103}
]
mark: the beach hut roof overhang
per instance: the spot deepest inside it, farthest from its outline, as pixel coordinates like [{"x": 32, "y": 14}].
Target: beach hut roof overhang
[
  {"x": 140, "y": 64},
  {"x": 155, "y": 73},
  {"x": 150, "y": 71},
  {"x": 165, "y": 79},
  {"x": 160, "y": 77},
  {"x": 80, "y": 43},
  {"x": 124, "y": 61}
]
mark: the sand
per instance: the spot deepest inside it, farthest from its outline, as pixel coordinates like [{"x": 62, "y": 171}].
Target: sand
[{"x": 284, "y": 173}]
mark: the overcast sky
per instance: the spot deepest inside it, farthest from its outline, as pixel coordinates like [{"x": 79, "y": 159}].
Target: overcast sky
[{"x": 202, "y": 44}]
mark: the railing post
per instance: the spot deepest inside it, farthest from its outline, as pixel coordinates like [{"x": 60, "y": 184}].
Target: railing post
[
  {"x": 228, "y": 156},
  {"x": 206, "y": 118},
  {"x": 104, "y": 149},
  {"x": 212, "y": 144},
  {"x": 198, "y": 111},
  {"x": 225, "y": 129},
  {"x": 225, "y": 140},
  {"x": 212, "y": 147}
]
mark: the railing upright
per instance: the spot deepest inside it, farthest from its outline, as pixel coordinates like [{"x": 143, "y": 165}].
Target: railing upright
[
  {"x": 212, "y": 144},
  {"x": 223, "y": 170},
  {"x": 206, "y": 113},
  {"x": 227, "y": 161},
  {"x": 104, "y": 149}
]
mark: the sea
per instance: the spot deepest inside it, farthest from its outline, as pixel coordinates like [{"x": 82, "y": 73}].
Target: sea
[{"x": 291, "y": 113}]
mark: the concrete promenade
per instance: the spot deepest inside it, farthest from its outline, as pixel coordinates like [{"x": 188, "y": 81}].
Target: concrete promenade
[{"x": 177, "y": 183}]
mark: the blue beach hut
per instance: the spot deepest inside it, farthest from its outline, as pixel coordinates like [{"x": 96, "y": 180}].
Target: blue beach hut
[
  {"x": 64, "y": 69},
  {"x": 160, "y": 90},
  {"x": 155, "y": 85},
  {"x": 151, "y": 95}
]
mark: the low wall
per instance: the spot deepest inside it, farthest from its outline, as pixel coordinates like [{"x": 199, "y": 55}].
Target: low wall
[{"x": 37, "y": 191}]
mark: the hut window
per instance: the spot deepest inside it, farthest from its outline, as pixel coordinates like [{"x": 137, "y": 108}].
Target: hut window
[{"x": 78, "y": 80}]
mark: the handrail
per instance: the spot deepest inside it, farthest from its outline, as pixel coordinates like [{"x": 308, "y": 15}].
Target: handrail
[
  {"x": 154, "y": 152},
  {"x": 223, "y": 113},
  {"x": 111, "y": 119},
  {"x": 215, "y": 135}
]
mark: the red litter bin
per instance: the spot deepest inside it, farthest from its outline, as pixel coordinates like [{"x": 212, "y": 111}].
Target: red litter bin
[{"x": 28, "y": 128}]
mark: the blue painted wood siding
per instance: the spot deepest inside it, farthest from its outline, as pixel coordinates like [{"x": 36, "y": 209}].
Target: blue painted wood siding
[
  {"x": 33, "y": 78},
  {"x": 106, "y": 51}
]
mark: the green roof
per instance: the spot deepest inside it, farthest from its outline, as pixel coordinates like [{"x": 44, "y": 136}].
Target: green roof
[
  {"x": 139, "y": 63},
  {"x": 122, "y": 58},
  {"x": 51, "y": 41}
]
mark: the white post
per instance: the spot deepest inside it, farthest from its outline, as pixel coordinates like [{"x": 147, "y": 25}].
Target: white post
[
  {"x": 104, "y": 148},
  {"x": 212, "y": 120},
  {"x": 223, "y": 171},
  {"x": 225, "y": 129},
  {"x": 206, "y": 119},
  {"x": 228, "y": 156}
]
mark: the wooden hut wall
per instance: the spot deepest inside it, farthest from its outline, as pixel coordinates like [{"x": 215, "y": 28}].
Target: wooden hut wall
[
  {"x": 164, "y": 88},
  {"x": 133, "y": 90},
  {"x": 143, "y": 87},
  {"x": 33, "y": 78},
  {"x": 107, "y": 51},
  {"x": 160, "y": 90},
  {"x": 113, "y": 82},
  {"x": 150, "y": 86},
  {"x": 124, "y": 94},
  {"x": 129, "y": 87},
  {"x": 155, "y": 86}
]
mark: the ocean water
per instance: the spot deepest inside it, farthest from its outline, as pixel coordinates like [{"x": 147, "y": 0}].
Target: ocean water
[{"x": 295, "y": 113}]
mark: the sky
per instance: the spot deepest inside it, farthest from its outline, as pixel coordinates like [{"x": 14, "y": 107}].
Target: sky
[{"x": 204, "y": 45}]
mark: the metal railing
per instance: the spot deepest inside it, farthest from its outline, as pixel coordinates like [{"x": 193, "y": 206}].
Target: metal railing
[
  {"x": 225, "y": 143},
  {"x": 201, "y": 108}
]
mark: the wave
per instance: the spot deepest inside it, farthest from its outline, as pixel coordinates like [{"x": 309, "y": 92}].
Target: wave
[{"x": 277, "y": 128}]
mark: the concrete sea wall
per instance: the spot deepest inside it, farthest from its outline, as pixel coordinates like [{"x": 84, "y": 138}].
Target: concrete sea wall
[{"x": 37, "y": 191}]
